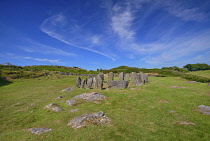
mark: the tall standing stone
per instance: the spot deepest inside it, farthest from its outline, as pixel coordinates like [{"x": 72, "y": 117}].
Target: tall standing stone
[
  {"x": 127, "y": 76},
  {"x": 78, "y": 82},
  {"x": 89, "y": 76},
  {"x": 89, "y": 83},
  {"x": 102, "y": 76},
  {"x": 121, "y": 76},
  {"x": 98, "y": 82},
  {"x": 83, "y": 82},
  {"x": 136, "y": 79},
  {"x": 110, "y": 76},
  {"x": 146, "y": 78}
]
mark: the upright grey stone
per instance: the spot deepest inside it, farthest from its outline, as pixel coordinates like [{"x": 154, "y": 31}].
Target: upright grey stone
[
  {"x": 121, "y": 76},
  {"x": 94, "y": 82},
  {"x": 110, "y": 76},
  {"x": 83, "y": 82},
  {"x": 98, "y": 82},
  {"x": 102, "y": 76},
  {"x": 142, "y": 78},
  {"x": 136, "y": 79},
  {"x": 89, "y": 83},
  {"x": 127, "y": 76},
  {"x": 146, "y": 78},
  {"x": 117, "y": 84},
  {"x": 78, "y": 82},
  {"x": 89, "y": 76}
]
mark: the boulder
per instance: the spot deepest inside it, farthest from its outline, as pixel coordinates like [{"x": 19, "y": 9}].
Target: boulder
[
  {"x": 204, "y": 109},
  {"x": 78, "y": 82},
  {"x": 51, "y": 105},
  {"x": 94, "y": 96},
  {"x": 39, "y": 130},
  {"x": 71, "y": 102},
  {"x": 117, "y": 84},
  {"x": 88, "y": 119},
  {"x": 67, "y": 89},
  {"x": 72, "y": 111},
  {"x": 56, "y": 109}
]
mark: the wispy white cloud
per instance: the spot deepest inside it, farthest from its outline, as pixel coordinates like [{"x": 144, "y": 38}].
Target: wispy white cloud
[
  {"x": 71, "y": 34},
  {"x": 183, "y": 10},
  {"x": 43, "y": 49},
  {"x": 121, "y": 21},
  {"x": 11, "y": 55}
]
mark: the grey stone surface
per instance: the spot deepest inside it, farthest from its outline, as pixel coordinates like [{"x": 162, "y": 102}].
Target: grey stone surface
[
  {"x": 83, "y": 83},
  {"x": 117, "y": 84},
  {"x": 89, "y": 76},
  {"x": 67, "y": 89},
  {"x": 190, "y": 82},
  {"x": 89, "y": 83},
  {"x": 121, "y": 76},
  {"x": 136, "y": 79},
  {"x": 86, "y": 119},
  {"x": 78, "y": 82},
  {"x": 56, "y": 109},
  {"x": 98, "y": 82},
  {"x": 94, "y": 96},
  {"x": 71, "y": 102},
  {"x": 208, "y": 84},
  {"x": 51, "y": 105},
  {"x": 204, "y": 109},
  {"x": 72, "y": 111},
  {"x": 39, "y": 130},
  {"x": 102, "y": 76},
  {"x": 111, "y": 76},
  {"x": 127, "y": 76},
  {"x": 59, "y": 97}
]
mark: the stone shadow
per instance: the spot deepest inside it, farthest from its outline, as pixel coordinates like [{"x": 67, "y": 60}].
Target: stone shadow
[{"x": 4, "y": 82}]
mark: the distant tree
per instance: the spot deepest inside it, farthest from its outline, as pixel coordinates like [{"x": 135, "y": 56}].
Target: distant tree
[{"x": 195, "y": 67}]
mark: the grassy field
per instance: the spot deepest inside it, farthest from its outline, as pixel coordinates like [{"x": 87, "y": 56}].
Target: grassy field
[
  {"x": 136, "y": 114},
  {"x": 205, "y": 73}
]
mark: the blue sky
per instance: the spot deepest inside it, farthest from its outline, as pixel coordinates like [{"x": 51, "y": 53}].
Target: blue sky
[{"x": 94, "y": 34}]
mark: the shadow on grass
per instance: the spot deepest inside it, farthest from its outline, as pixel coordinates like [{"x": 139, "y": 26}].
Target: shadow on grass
[{"x": 4, "y": 82}]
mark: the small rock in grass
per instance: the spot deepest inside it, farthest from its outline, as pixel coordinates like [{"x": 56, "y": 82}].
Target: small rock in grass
[
  {"x": 71, "y": 102},
  {"x": 172, "y": 112},
  {"x": 39, "y": 130},
  {"x": 86, "y": 119},
  {"x": 51, "y": 105},
  {"x": 190, "y": 82},
  {"x": 56, "y": 109},
  {"x": 185, "y": 123},
  {"x": 204, "y": 109},
  {"x": 59, "y": 97},
  {"x": 91, "y": 96},
  {"x": 163, "y": 101},
  {"x": 177, "y": 87},
  {"x": 67, "y": 89},
  {"x": 72, "y": 111}
]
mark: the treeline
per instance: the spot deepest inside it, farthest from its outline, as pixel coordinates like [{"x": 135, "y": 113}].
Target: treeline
[{"x": 196, "y": 67}]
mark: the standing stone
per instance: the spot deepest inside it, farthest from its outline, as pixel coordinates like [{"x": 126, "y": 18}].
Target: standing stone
[
  {"x": 110, "y": 76},
  {"x": 142, "y": 80},
  {"x": 89, "y": 76},
  {"x": 127, "y": 76},
  {"x": 94, "y": 82},
  {"x": 117, "y": 84},
  {"x": 83, "y": 83},
  {"x": 146, "y": 78},
  {"x": 102, "y": 76},
  {"x": 89, "y": 83},
  {"x": 78, "y": 82},
  {"x": 98, "y": 84},
  {"x": 121, "y": 76},
  {"x": 136, "y": 79}
]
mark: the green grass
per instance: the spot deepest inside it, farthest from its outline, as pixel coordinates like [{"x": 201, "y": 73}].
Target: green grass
[
  {"x": 205, "y": 73},
  {"x": 135, "y": 114}
]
